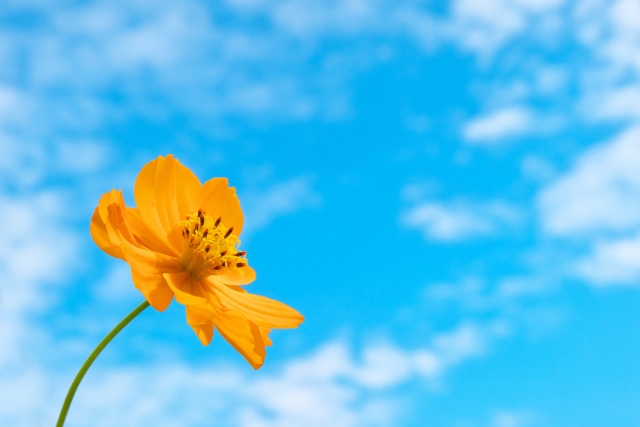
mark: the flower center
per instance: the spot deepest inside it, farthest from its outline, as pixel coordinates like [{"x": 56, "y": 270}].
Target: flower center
[{"x": 209, "y": 247}]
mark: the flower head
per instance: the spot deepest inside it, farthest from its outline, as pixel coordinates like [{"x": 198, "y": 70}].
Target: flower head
[{"x": 181, "y": 240}]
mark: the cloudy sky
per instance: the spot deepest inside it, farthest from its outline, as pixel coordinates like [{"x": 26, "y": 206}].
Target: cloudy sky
[{"x": 449, "y": 192}]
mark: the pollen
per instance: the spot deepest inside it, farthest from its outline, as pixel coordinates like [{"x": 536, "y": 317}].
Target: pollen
[{"x": 209, "y": 246}]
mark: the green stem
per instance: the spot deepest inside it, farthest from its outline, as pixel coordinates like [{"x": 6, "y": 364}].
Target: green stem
[{"x": 87, "y": 364}]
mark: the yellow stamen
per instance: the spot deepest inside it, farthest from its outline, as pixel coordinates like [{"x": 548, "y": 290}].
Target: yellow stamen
[{"x": 208, "y": 253}]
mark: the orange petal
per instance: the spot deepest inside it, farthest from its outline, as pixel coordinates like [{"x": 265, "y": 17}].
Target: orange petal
[
  {"x": 187, "y": 289},
  {"x": 265, "y": 336},
  {"x": 264, "y": 311},
  {"x": 220, "y": 201},
  {"x": 148, "y": 260},
  {"x": 199, "y": 314},
  {"x": 204, "y": 332},
  {"x": 153, "y": 286},
  {"x": 237, "y": 276},
  {"x": 243, "y": 335},
  {"x": 147, "y": 270},
  {"x": 165, "y": 192},
  {"x": 200, "y": 318},
  {"x": 147, "y": 266},
  {"x": 148, "y": 238},
  {"x": 98, "y": 227},
  {"x": 258, "y": 337}
]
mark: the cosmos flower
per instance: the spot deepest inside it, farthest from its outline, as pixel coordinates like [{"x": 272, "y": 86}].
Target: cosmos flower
[{"x": 181, "y": 240}]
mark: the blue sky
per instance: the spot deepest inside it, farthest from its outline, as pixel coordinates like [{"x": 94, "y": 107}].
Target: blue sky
[{"x": 448, "y": 191}]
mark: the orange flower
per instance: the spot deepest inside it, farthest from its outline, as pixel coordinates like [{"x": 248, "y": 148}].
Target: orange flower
[{"x": 182, "y": 241}]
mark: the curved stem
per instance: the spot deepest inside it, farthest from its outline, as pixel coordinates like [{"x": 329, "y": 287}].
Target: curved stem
[{"x": 87, "y": 364}]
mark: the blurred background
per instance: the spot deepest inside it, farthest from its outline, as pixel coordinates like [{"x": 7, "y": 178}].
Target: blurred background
[{"x": 448, "y": 191}]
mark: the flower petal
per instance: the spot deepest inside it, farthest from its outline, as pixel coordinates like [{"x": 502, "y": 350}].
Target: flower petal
[
  {"x": 144, "y": 235},
  {"x": 147, "y": 270},
  {"x": 220, "y": 201},
  {"x": 147, "y": 266},
  {"x": 204, "y": 332},
  {"x": 147, "y": 260},
  {"x": 244, "y": 335},
  {"x": 165, "y": 192},
  {"x": 187, "y": 289},
  {"x": 153, "y": 287},
  {"x": 265, "y": 336},
  {"x": 200, "y": 318},
  {"x": 199, "y": 314},
  {"x": 98, "y": 227},
  {"x": 237, "y": 275},
  {"x": 264, "y": 311}
]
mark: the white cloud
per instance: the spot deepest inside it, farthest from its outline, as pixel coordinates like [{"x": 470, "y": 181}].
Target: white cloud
[
  {"x": 600, "y": 193},
  {"x": 539, "y": 5},
  {"x": 550, "y": 79},
  {"x": 22, "y": 394},
  {"x": 511, "y": 419},
  {"x": 610, "y": 87},
  {"x": 329, "y": 386},
  {"x": 460, "y": 220},
  {"x": 14, "y": 106},
  {"x": 37, "y": 252},
  {"x": 597, "y": 201},
  {"x": 514, "y": 39},
  {"x": 183, "y": 55},
  {"x": 20, "y": 163},
  {"x": 537, "y": 168},
  {"x": 321, "y": 17},
  {"x": 117, "y": 285},
  {"x": 469, "y": 292},
  {"x": 285, "y": 198},
  {"x": 516, "y": 303},
  {"x": 615, "y": 262},
  {"x": 493, "y": 128},
  {"x": 35, "y": 248},
  {"x": 81, "y": 156},
  {"x": 147, "y": 51},
  {"x": 485, "y": 26},
  {"x": 467, "y": 341},
  {"x": 620, "y": 42},
  {"x": 617, "y": 103}
]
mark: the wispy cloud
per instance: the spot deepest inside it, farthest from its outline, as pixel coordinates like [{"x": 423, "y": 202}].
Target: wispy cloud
[
  {"x": 330, "y": 385},
  {"x": 144, "y": 52},
  {"x": 116, "y": 285},
  {"x": 611, "y": 262},
  {"x": 36, "y": 255},
  {"x": 610, "y": 31},
  {"x": 460, "y": 220},
  {"x": 33, "y": 235},
  {"x": 284, "y": 198},
  {"x": 517, "y": 303},
  {"x": 484, "y": 27},
  {"x": 506, "y": 418},
  {"x": 495, "y": 127},
  {"x": 601, "y": 192},
  {"x": 475, "y": 295}
]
